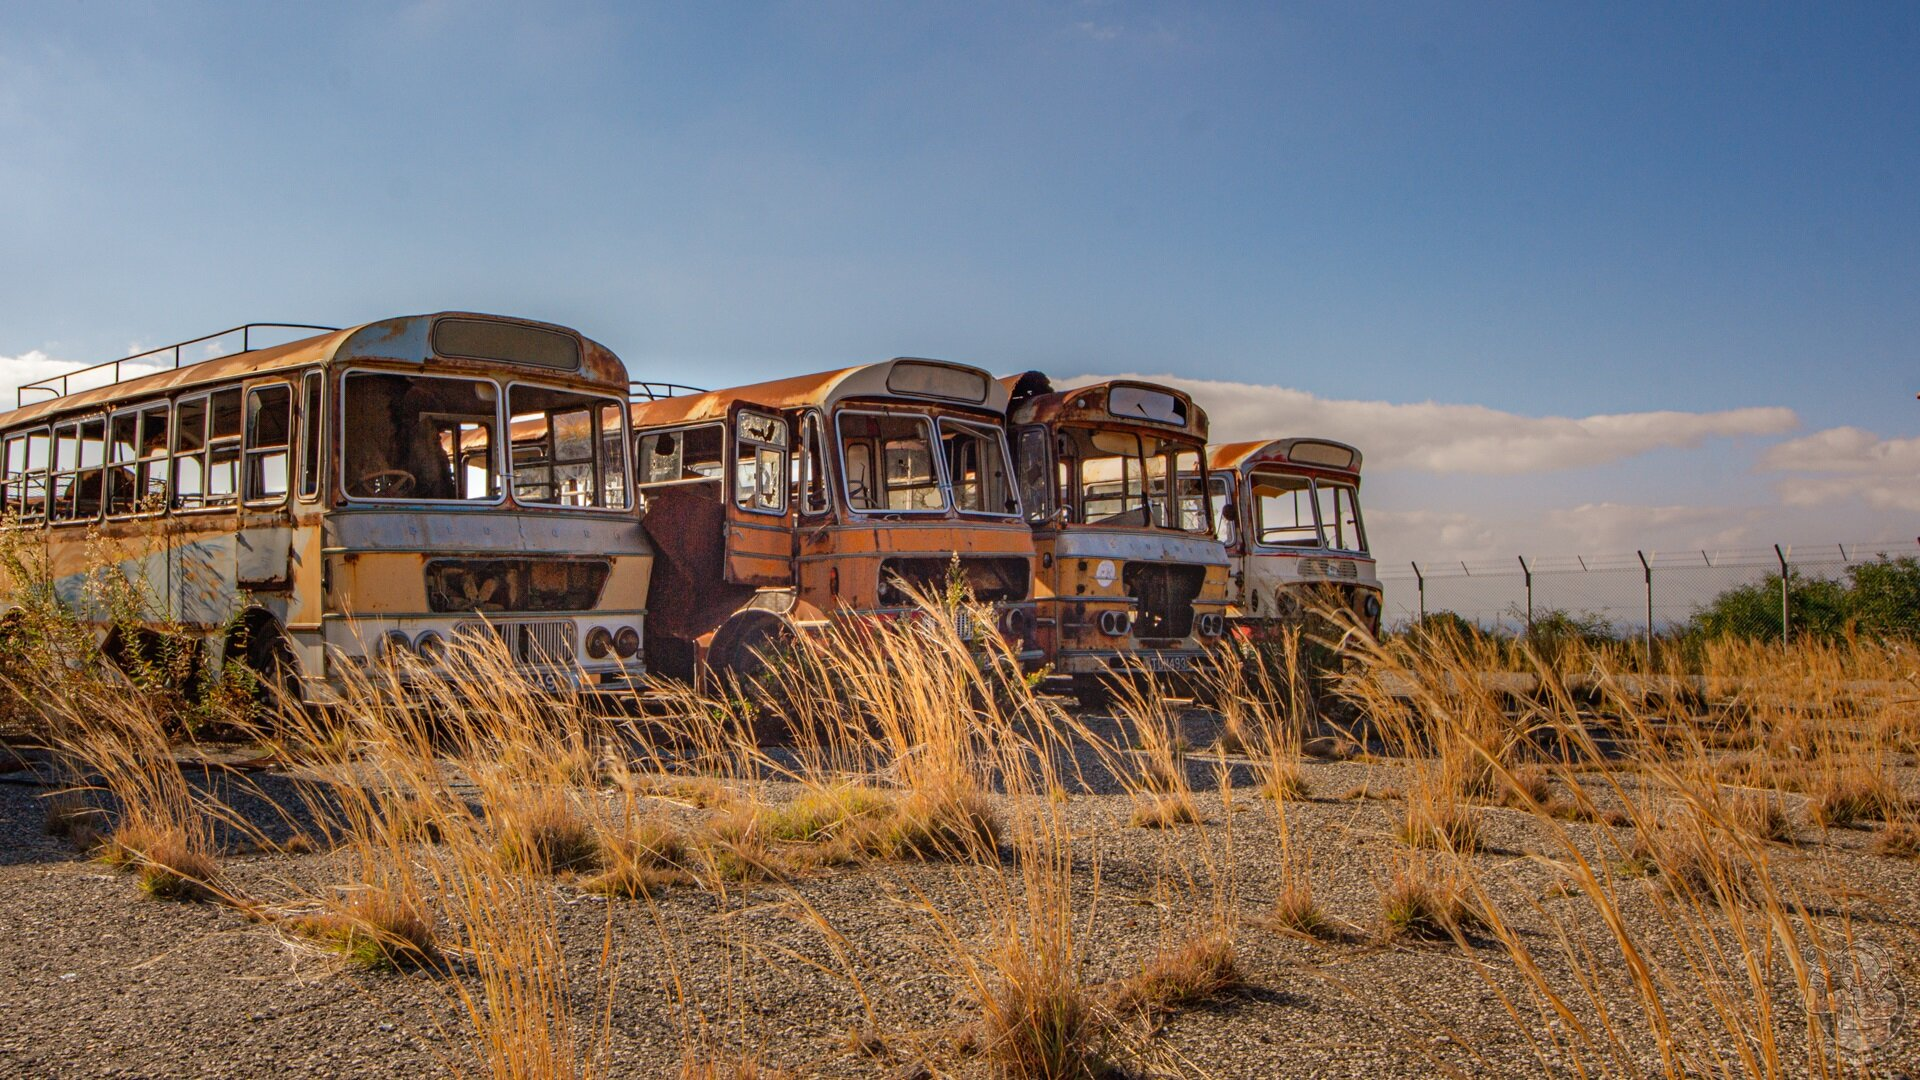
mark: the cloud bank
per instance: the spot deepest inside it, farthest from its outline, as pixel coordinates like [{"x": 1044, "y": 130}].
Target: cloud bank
[
  {"x": 1848, "y": 463},
  {"x": 1442, "y": 438}
]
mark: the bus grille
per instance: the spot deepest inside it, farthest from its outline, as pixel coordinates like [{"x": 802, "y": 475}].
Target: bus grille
[{"x": 546, "y": 643}]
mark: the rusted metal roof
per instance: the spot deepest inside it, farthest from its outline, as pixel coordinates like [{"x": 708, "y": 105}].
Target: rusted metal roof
[
  {"x": 1243, "y": 455},
  {"x": 881, "y": 381},
  {"x": 1096, "y": 404},
  {"x": 405, "y": 339}
]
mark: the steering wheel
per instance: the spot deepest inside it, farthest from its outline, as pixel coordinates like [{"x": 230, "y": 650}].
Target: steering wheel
[{"x": 387, "y": 483}]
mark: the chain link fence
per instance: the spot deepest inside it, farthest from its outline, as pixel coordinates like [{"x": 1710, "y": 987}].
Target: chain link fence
[{"x": 1753, "y": 592}]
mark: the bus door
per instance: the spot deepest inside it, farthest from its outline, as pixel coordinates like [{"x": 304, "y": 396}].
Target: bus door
[{"x": 759, "y": 531}]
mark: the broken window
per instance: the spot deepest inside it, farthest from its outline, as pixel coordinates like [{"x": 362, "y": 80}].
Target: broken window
[
  {"x": 419, "y": 437},
  {"x": 137, "y": 460},
  {"x": 79, "y": 459},
  {"x": 683, "y": 455},
  {"x": 760, "y": 463},
  {"x": 25, "y": 473},
  {"x": 813, "y": 467},
  {"x": 562, "y": 452},
  {"x": 890, "y": 464},
  {"x": 269, "y": 429}
]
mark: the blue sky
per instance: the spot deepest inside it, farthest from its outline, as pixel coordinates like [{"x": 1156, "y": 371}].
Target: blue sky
[{"x": 1545, "y": 211}]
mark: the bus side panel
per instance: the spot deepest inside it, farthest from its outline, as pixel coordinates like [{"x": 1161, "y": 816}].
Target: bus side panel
[{"x": 205, "y": 573}]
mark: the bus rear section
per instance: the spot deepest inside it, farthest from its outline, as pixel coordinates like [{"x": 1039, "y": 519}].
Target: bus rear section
[
  {"x": 779, "y": 508},
  {"x": 1131, "y": 577},
  {"x": 1289, "y": 514}
]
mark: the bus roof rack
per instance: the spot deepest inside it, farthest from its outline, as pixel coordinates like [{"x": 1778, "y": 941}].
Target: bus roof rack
[
  {"x": 654, "y": 391},
  {"x": 57, "y": 386}
]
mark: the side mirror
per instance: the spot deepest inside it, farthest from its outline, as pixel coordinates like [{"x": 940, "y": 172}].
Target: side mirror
[{"x": 1230, "y": 513}]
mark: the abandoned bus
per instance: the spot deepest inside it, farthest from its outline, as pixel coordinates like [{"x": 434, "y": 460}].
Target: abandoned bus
[
  {"x": 312, "y": 505},
  {"x": 1289, "y": 513},
  {"x": 1131, "y": 577},
  {"x": 777, "y": 507}
]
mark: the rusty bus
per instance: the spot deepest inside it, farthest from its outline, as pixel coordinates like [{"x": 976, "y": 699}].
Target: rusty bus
[
  {"x": 1289, "y": 513},
  {"x": 777, "y": 507},
  {"x": 1131, "y": 576},
  {"x": 312, "y": 505}
]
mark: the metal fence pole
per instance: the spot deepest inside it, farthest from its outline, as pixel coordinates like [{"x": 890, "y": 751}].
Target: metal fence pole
[
  {"x": 1527, "y": 573},
  {"x": 1646, "y": 569},
  {"x": 1420, "y": 582},
  {"x": 1786, "y": 606}
]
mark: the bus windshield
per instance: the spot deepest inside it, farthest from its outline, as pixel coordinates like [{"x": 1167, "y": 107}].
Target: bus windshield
[
  {"x": 1122, "y": 479},
  {"x": 1294, "y": 511},
  {"x": 436, "y": 438}
]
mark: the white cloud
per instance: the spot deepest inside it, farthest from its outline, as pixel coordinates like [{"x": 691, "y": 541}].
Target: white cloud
[
  {"x": 35, "y": 365},
  {"x": 1603, "y": 529},
  {"x": 1436, "y": 437},
  {"x": 1848, "y": 463}
]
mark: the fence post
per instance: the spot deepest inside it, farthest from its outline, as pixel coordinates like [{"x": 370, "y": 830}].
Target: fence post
[
  {"x": 1527, "y": 572},
  {"x": 1420, "y": 581},
  {"x": 1786, "y": 607},
  {"x": 1646, "y": 570}
]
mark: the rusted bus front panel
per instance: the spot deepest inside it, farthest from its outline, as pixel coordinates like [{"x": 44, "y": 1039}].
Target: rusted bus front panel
[
  {"x": 840, "y": 565},
  {"x": 377, "y": 564},
  {"x": 1084, "y": 573},
  {"x": 1272, "y": 590}
]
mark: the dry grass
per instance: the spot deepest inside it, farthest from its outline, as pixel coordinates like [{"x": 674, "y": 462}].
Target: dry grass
[
  {"x": 1420, "y": 903},
  {"x": 1199, "y": 971},
  {"x": 919, "y": 753}
]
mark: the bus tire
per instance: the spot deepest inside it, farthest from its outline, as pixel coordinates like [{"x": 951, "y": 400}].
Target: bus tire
[{"x": 743, "y": 656}]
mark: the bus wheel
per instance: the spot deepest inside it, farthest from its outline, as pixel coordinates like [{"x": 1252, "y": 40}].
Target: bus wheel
[{"x": 745, "y": 654}]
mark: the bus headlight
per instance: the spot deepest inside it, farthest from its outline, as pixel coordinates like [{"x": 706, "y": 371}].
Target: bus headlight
[
  {"x": 1211, "y": 624},
  {"x": 430, "y": 645},
  {"x": 626, "y": 643},
  {"x": 599, "y": 643},
  {"x": 395, "y": 643},
  {"x": 1016, "y": 624},
  {"x": 1116, "y": 623},
  {"x": 1370, "y": 607}
]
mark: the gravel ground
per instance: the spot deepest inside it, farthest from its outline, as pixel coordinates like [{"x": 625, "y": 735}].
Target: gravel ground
[{"x": 96, "y": 981}]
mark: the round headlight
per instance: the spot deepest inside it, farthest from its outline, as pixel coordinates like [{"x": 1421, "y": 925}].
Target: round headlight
[
  {"x": 627, "y": 642},
  {"x": 1370, "y": 607},
  {"x": 395, "y": 643},
  {"x": 430, "y": 645},
  {"x": 599, "y": 643}
]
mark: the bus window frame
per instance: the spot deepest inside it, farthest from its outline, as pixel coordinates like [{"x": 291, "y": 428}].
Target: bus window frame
[
  {"x": 498, "y": 448},
  {"x": 736, "y": 438},
  {"x": 163, "y": 460},
  {"x": 1011, "y": 480},
  {"x": 312, "y": 468},
  {"x": 812, "y": 455},
  {"x": 77, "y": 423},
  {"x": 932, "y": 420},
  {"x": 505, "y": 407},
  {"x": 247, "y": 449},
  {"x": 641, "y": 487},
  {"x": 230, "y": 502},
  {"x": 45, "y": 473}
]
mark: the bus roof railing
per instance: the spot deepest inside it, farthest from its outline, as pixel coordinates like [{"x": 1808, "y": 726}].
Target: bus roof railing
[
  {"x": 654, "y": 391},
  {"x": 57, "y": 386}
]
